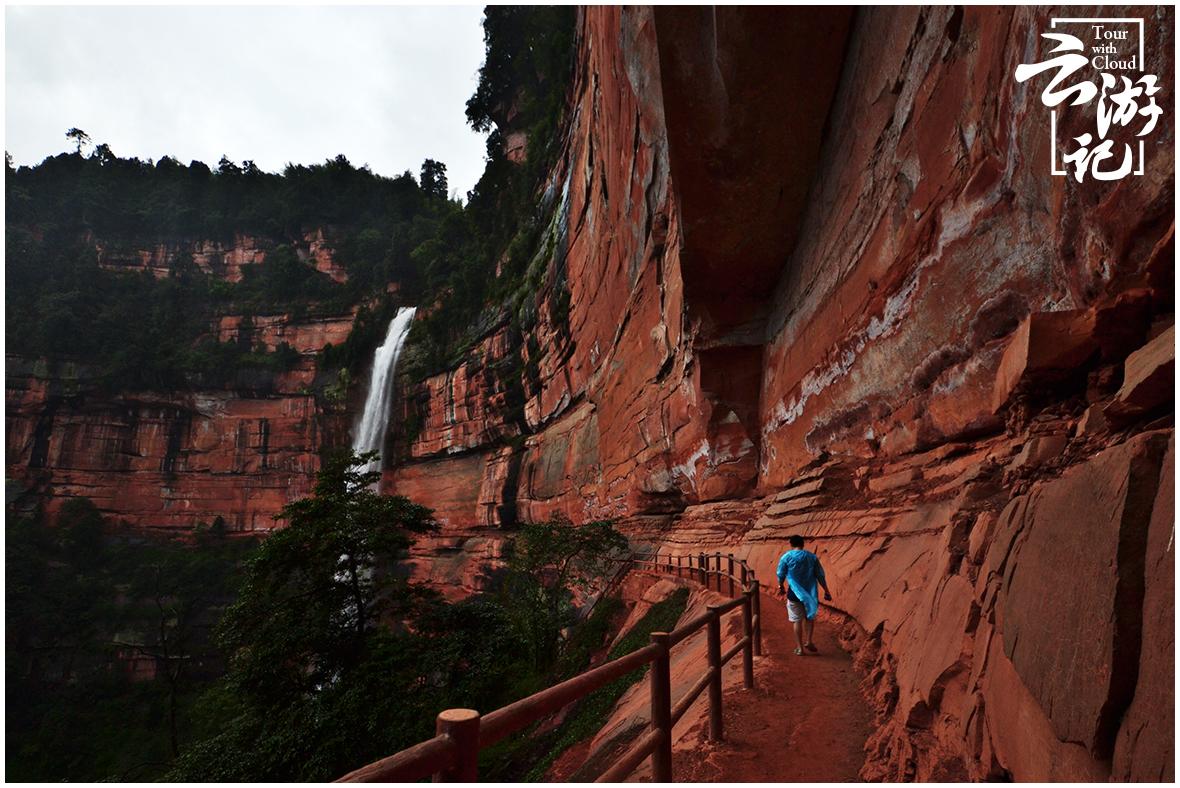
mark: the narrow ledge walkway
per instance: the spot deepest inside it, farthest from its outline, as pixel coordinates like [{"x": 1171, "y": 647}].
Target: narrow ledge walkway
[{"x": 805, "y": 721}]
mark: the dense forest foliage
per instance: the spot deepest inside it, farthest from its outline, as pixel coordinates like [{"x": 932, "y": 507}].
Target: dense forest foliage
[
  {"x": 108, "y": 644},
  {"x": 298, "y": 658},
  {"x": 139, "y": 331},
  {"x": 338, "y": 660},
  {"x": 136, "y": 331}
]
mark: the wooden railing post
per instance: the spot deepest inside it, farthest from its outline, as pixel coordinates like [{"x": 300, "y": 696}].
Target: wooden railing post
[
  {"x": 462, "y": 726},
  {"x": 757, "y": 618},
  {"x": 748, "y": 633},
  {"x": 715, "y": 732},
  {"x": 661, "y": 710},
  {"x": 453, "y": 755}
]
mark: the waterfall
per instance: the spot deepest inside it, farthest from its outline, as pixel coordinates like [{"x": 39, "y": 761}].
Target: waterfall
[{"x": 369, "y": 434}]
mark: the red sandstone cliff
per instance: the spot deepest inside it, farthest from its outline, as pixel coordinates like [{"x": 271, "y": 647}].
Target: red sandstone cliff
[
  {"x": 822, "y": 282},
  {"x": 170, "y": 459},
  {"x": 223, "y": 260}
]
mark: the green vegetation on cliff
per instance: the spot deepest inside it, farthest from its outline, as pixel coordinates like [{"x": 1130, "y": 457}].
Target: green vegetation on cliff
[
  {"x": 336, "y": 659},
  {"x": 315, "y": 669},
  {"x": 527, "y": 758},
  {"x": 138, "y": 331},
  {"x": 477, "y": 265},
  {"x": 318, "y": 660},
  {"x": 298, "y": 658}
]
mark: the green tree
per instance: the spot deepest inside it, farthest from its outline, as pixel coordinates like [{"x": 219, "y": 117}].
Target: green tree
[
  {"x": 78, "y": 137},
  {"x": 433, "y": 179},
  {"x": 225, "y": 166},
  {"x": 104, "y": 155},
  {"x": 321, "y": 662},
  {"x": 174, "y": 590},
  {"x": 83, "y": 605},
  {"x": 319, "y": 586},
  {"x": 552, "y": 565}
]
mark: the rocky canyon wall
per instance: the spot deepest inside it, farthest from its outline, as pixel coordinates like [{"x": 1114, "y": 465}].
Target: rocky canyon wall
[
  {"x": 836, "y": 292},
  {"x": 169, "y": 459},
  {"x": 640, "y": 401}
]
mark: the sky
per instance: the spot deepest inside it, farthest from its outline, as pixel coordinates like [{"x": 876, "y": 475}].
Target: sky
[{"x": 385, "y": 86}]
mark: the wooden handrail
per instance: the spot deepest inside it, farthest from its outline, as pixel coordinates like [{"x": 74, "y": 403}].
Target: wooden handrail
[
  {"x": 452, "y": 755},
  {"x": 734, "y": 651},
  {"x": 702, "y": 575},
  {"x": 634, "y": 756},
  {"x": 714, "y": 647},
  {"x": 686, "y": 630},
  {"x": 748, "y": 635},
  {"x": 462, "y": 727},
  {"x": 519, "y": 715},
  {"x": 690, "y": 697},
  {"x": 410, "y": 765},
  {"x": 661, "y": 708}
]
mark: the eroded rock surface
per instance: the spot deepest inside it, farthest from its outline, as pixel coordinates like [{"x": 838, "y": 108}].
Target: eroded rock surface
[
  {"x": 175, "y": 459},
  {"x": 947, "y": 368},
  {"x": 162, "y": 460}
]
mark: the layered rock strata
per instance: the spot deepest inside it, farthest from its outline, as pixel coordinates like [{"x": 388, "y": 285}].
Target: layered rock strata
[
  {"x": 844, "y": 298},
  {"x": 169, "y": 459},
  {"x": 225, "y": 260},
  {"x": 162, "y": 460}
]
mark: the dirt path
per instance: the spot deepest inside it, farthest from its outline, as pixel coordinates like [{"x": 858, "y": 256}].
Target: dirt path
[{"x": 805, "y": 721}]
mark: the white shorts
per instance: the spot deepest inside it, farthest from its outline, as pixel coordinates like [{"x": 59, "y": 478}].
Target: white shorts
[{"x": 796, "y": 611}]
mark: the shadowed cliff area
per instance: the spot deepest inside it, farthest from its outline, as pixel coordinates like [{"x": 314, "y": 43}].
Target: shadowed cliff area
[{"x": 879, "y": 322}]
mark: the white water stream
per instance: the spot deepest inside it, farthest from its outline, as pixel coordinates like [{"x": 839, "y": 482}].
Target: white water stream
[{"x": 369, "y": 434}]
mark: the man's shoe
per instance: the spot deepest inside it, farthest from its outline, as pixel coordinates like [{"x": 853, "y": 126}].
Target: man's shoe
[
  {"x": 811, "y": 647},
  {"x": 798, "y": 652}
]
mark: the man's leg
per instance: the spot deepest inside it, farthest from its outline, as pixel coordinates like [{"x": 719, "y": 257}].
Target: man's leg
[
  {"x": 809, "y": 628},
  {"x": 796, "y": 615}
]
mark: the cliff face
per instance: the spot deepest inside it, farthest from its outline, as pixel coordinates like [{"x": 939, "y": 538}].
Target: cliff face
[
  {"x": 224, "y": 260},
  {"x": 615, "y": 416},
  {"x": 169, "y": 459},
  {"x": 843, "y": 297}
]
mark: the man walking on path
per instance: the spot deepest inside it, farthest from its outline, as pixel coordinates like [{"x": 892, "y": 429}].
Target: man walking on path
[{"x": 801, "y": 570}]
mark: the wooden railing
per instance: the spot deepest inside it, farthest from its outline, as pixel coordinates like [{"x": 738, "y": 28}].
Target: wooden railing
[{"x": 453, "y": 754}]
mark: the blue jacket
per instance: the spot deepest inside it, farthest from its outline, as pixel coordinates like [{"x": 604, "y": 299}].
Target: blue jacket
[{"x": 802, "y": 571}]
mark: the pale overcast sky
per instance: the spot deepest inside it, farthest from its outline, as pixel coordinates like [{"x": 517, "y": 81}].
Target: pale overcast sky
[{"x": 386, "y": 86}]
